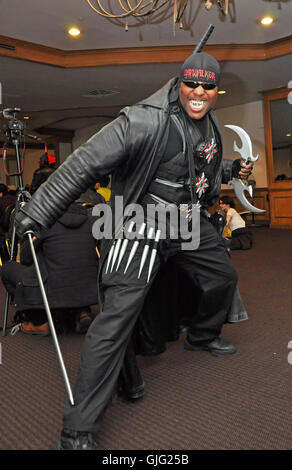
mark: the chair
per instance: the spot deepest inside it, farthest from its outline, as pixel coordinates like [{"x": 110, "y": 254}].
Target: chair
[{"x": 244, "y": 215}]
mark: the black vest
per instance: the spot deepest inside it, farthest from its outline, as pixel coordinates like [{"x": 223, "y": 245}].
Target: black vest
[{"x": 172, "y": 180}]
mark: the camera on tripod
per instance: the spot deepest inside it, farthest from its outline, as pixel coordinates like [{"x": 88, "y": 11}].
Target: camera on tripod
[{"x": 14, "y": 129}]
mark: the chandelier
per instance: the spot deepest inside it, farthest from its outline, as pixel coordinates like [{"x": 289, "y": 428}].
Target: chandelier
[{"x": 145, "y": 8}]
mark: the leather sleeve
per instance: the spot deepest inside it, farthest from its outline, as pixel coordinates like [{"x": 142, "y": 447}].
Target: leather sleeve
[{"x": 99, "y": 156}]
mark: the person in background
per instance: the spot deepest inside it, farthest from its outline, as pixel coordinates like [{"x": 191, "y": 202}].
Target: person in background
[
  {"x": 241, "y": 237},
  {"x": 46, "y": 168},
  {"x": 6, "y": 200},
  {"x": 11, "y": 189},
  {"x": 69, "y": 267},
  {"x": 102, "y": 188}
]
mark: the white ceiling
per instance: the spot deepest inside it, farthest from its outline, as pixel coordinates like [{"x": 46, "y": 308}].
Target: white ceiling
[
  {"x": 54, "y": 97},
  {"x": 44, "y": 22}
]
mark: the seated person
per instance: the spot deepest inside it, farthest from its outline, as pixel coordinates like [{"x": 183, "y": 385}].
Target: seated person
[
  {"x": 241, "y": 237},
  {"x": 101, "y": 187},
  {"x": 69, "y": 266}
]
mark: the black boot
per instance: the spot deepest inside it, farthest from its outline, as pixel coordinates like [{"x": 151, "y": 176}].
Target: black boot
[
  {"x": 217, "y": 347},
  {"x": 130, "y": 384},
  {"x": 76, "y": 440}
]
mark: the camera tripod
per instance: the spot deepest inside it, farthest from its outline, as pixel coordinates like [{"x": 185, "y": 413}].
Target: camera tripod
[{"x": 14, "y": 132}]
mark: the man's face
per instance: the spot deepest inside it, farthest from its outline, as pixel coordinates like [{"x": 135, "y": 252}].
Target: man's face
[{"x": 197, "y": 101}]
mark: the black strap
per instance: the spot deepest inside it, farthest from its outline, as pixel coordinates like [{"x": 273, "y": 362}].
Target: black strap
[{"x": 191, "y": 161}]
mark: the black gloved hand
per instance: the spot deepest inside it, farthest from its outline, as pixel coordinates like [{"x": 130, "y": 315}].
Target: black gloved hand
[
  {"x": 24, "y": 223},
  {"x": 241, "y": 169}
]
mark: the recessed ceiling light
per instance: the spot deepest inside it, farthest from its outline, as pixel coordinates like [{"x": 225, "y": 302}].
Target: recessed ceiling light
[
  {"x": 221, "y": 92},
  {"x": 74, "y": 31},
  {"x": 267, "y": 20}
]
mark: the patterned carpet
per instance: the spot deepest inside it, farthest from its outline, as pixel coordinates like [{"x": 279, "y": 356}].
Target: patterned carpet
[{"x": 193, "y": 400}]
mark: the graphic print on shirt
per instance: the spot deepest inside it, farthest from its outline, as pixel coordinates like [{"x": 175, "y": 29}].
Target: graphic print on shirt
[
  {"x": 207, "y": 150},
  {"x": 201, "y": 184}
]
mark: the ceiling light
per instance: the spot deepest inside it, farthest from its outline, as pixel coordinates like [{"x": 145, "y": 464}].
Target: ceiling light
[
  {"x": 289, "y": 134},
  {"x": 221, "y": 92},
  {"x": 208, "y": 4},
  {"x": 122, "y": 9},
  {"x": 74, "y": 31},
  {"x": 267, "y": 20}
]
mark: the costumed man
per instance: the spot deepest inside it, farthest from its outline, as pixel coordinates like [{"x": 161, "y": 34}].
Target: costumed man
[{"x": 166, "y": 148}]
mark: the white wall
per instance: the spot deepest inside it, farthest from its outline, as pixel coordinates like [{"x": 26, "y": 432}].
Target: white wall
[
  {"x": 82, "y": 135},
  {"x": 65, "y": 148},
  {"x": 250, "y": 117},
  {"x": 31, "y": 163}
]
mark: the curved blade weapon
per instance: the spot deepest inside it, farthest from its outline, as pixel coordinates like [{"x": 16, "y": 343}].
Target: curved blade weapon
[
  {"x": 246, "y": 154},
  {"x": 246, "y": 149}
]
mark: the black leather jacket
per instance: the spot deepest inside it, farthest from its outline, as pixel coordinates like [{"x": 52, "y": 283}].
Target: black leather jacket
[{"x": 130, "y": 148}]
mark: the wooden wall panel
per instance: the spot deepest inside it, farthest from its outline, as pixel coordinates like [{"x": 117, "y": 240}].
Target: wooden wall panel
[
  {"x": 24, "y": 50},
  {"x": 281, "y": 208}
]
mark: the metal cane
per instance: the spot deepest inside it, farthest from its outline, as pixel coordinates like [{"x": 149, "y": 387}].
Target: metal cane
[{"x": 50, "y": 320}]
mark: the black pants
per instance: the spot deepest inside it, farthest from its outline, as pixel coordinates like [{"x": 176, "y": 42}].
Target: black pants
[
  {"x": 210, "y": 269},
  {"x": 241, "y": 239}
]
